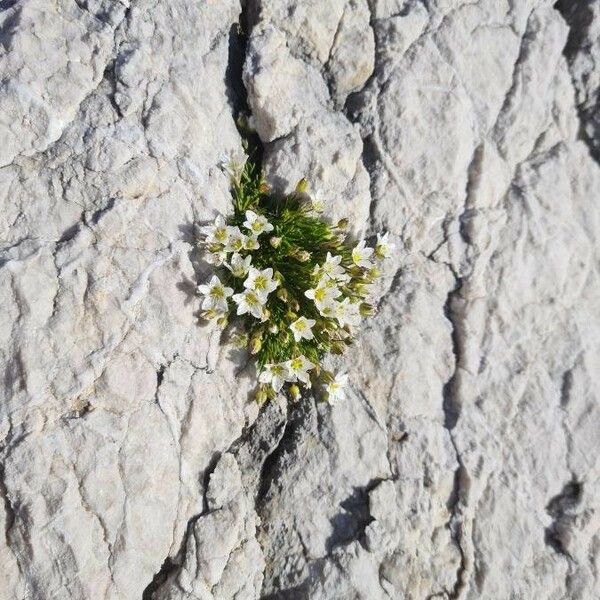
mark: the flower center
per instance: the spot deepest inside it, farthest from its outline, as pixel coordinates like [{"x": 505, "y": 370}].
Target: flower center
[
  {"x": 277, "y": 369},
  {"x": 296, "y": 364},
  {"x": 260, "y": 283},
  {"x": 257, "y": 226},
  {"x": 320, "y": 294},
  {"x": 251, "y": 299},
  {"x": 220, "y": 234},
  {"x": 217, "y": 292}
]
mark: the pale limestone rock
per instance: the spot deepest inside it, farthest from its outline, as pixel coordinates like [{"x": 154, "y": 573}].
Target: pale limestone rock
[
  {"x": 57, "y": 58},
  {"x": 463, "y": 462},
  {"x": 583, "y": 46},
  {"x": 291, "y": 71},
  {"x": 112, "y": 403},
  {"x": 222, "y": 556},
  {"x": 470, "y": 129}
]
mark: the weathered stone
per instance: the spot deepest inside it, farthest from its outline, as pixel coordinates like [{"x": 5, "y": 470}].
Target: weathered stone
[{"x": 463, "y": 462}]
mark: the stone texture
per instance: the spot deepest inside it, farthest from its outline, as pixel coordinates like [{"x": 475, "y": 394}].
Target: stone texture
[{"x": 464, "y": 462}]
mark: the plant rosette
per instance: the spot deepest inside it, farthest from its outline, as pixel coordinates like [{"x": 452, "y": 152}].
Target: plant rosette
[{"x": 293, "y": 286}]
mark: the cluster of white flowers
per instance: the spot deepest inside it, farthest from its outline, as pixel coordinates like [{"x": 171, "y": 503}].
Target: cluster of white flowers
[
  {"x": 223, "y": 239},
  {"x": 290, "y": 371},
  {"x": 331, "y": 275},
  {"x": 225, "y": 243},
  {"x": 340, "y": 292},
  {"x": 297, "y": 369}
]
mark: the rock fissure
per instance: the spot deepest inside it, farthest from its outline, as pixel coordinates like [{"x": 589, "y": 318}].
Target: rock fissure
[
  {"x": 579, "y": 52},
  {"x": 561, "y": 508}
]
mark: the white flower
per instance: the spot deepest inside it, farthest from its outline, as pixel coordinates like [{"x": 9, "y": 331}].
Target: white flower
[
  {"x": 261, "y": 282},
  {"x": 327, "y": 310},
  {"x": 335, "y": 389},
  {"x": 383, "y": 248},
  {"x": 299, "y": 368},
  {"x": 302, "y": 328},
  {"x": 236, "y": 240},
  {"x": 347, "y": 313},
  {"x": 249, "y": 302},
  {"x": 257, "y": 224},
  {"x": 215, "y": 295},
  {"x": 275, "y": 374},
  {"x": 323, "y": 295},
  {"x": 239, "y": 266},
  {"x": 216, "y": 258},
  {"x": 251, "y": 242},
  {"x": 361, "y": 255},
  {"x": 333, "y": 269},
  {"x": 318, "y": 202},
  {"x": 217, "y": 233}
]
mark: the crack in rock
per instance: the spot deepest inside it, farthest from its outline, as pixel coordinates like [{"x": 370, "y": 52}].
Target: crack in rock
[
  {"x": 561, "y": 508},
  {"x": 580, "y": 50}
]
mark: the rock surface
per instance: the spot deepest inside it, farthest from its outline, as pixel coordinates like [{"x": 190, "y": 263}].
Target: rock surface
[{"x": 464, "y": 462}]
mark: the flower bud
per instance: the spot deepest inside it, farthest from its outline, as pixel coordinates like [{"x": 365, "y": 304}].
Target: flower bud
[
  {"x": 239, "y": 340},
  {"x": 282, "y": 294},
  {"x": 222, "y": 321},
  {"x": 337, "y": 348},
  {"x": 344, "y": 334},
  {"x": 275, "y": 242},
  {"x": 303, "y": 256},
  {"x": 366, "y": 310},
  {"x": 291, "y": 316},
  {"x": 264, "y": 187},
  {"x": 373, "y": 274},
  {"x": 361, "y": 289},
  {"x": 261, "y": 395},
  {"x": 294, "y": 392},
  {"x": 278, "y": 277},
  {"x": 327, "y": 376},
  {"x": 302, "y": 186},
  {"x": 255, "y": 344},
  {"x": 380, "y": 252},
  {"x": 273, "y": 328},
  {"x": 342, "y": 223}
]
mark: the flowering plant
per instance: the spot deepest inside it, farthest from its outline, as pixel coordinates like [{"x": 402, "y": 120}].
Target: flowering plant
[{"x": 292, "y": 285}]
